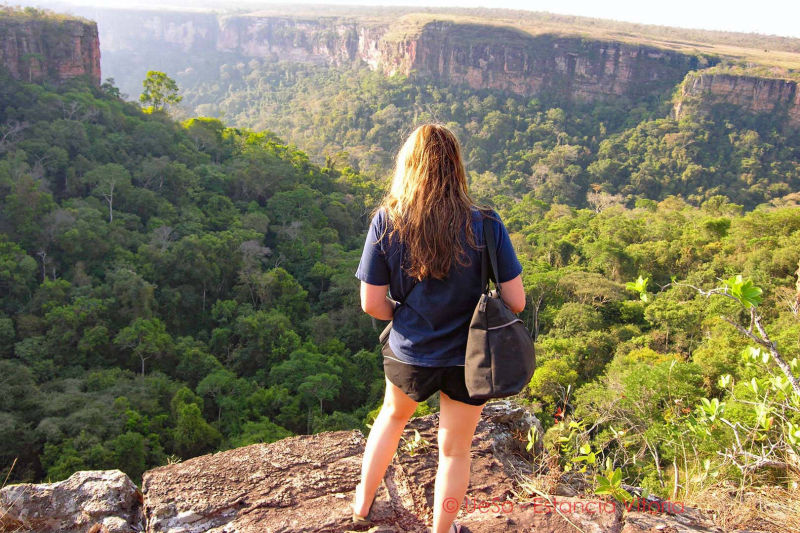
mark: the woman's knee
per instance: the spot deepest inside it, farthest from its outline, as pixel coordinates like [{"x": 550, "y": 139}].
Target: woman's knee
[
  {"x": 396, "y": 412},
  {"x": 457, "y": 423},
  {"x": 397, "y": 405},
  {"x": 452, "y": 448}
]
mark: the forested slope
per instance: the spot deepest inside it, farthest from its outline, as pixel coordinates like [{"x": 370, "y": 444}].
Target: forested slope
[
  {"x": 562, "y": 151},
  {"x": 169, "y": 288}
]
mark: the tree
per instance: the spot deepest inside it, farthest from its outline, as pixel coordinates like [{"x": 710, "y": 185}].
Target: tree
[
  {"x": 106, "y": 181},
  {"x": 17, "y": 274},
  {"x": 551, "y": 378},
  {"x": 192, "y": 435},
  {"x": 601, "y": 200},
  {"x": 109, "y": 88},
  {"x": 321, "y": 386},
  {"x": 146, "y": 337},
  {"x": 159, "y": 91}
]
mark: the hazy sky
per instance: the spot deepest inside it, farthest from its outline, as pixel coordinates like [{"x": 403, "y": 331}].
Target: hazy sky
[{"x": 777, "y": 17}]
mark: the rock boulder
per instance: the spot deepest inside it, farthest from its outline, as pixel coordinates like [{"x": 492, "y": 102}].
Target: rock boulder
[{"x": 86, "y": 499}]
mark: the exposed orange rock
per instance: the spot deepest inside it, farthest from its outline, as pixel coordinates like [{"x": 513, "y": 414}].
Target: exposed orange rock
[
  {"x": 484, "y": 56},
  {"x": 754, "y": 94},
  {"x": 480, "y": 56},
  {"x": 49, "y": 49},
  {"x": 477, "y": 55}
]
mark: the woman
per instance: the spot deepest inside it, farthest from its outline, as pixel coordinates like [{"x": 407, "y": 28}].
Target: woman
[{"x": 428, "y": 232}]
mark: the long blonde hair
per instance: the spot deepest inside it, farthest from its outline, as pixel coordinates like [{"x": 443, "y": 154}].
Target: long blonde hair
[{"x": 428, "y": 204}]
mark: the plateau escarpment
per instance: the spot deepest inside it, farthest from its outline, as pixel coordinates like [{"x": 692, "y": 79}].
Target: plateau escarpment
[
  {"x": 477, "y": 55},
  {"x": 36, "y": 49},
  {"x": 480, "y": 56},
  {"x": 197, "y": 47},
  {"x": 311, "y": 41},
  {"x": 779, "y": 97},
  {"x": 509, "y": 59}
]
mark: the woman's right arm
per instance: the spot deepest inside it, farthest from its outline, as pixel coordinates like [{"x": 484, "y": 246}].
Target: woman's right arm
[
  {"x": 509, "y": 269},
  {"x": 513, "y": 294}
]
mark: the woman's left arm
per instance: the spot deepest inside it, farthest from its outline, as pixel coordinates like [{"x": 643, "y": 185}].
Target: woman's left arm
[{"x": 376, "y": 302}]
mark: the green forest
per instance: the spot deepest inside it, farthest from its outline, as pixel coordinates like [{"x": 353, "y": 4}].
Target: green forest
[
  {"x": 170, "y": 288},
  {"x": 562, "y": 151}
]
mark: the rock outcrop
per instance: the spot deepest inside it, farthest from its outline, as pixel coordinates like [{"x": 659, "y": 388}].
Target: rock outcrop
[
  {"x": 46, "y": 48},
  {"x": 306, "y": 483},
  {"x": 107, "y": 499},
  {"x": 779, "y": 97}
]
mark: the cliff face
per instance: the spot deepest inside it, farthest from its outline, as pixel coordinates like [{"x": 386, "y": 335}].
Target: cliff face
[
  {"x": 148, "y": 32},
  {"x": 512, "y": 60},
  {"x": 756, "y": 95},
  {"x": 472, "y": 54},
  {"x": 47, "y": 49},
  {"x": 481, "y": 56},
  {"x": 287, "y": 39},
  {"x": 477, "y": 55}
]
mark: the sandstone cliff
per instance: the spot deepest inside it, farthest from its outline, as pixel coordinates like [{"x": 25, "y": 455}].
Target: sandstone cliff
[
  {"x": 506, "y": 58},
  {"x": 478, "y": 55},
  {"x": 306, "y": 483},
  {"x": 44, "y": 48},
  {"x": 779, "y": 97}
]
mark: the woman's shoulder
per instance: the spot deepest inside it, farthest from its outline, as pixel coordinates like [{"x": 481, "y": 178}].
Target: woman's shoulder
[
  {"x": 380, "y": 217},
  {"x": 481, "y": 212}
]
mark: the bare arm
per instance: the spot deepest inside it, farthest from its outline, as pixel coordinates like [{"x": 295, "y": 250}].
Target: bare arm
[
  {"x": 376, "y": 302},
  {"x": 513, "y": 294}
]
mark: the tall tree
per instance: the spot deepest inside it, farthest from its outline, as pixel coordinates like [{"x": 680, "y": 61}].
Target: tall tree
[{"x": 159, "y": 91}]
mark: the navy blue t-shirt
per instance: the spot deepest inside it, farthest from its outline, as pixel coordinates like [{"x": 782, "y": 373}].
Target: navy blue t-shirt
[{"x": 430, "y": 326}]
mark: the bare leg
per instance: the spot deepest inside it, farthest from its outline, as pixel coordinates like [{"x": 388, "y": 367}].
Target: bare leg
[
  {"x": 382, "y": 444},
  {"x": 457, "y": 423}
]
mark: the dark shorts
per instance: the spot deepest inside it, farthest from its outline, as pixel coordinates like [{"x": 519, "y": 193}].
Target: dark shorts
[{"x": 420, "y": 382}]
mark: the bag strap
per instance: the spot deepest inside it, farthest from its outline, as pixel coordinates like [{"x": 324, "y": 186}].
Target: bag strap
[
  {"x": 384, "y": 336},
  {"x": 489, "y": 266},
  {"x": 416, "y": 282}
]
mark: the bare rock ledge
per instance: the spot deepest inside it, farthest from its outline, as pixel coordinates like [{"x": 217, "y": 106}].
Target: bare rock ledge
[{"x": 306, "y": 483}]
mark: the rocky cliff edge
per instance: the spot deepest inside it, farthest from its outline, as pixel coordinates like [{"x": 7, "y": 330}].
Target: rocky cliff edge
[
  {"x": 306, "y": 483},
  {"x": 780, "y": 98}
]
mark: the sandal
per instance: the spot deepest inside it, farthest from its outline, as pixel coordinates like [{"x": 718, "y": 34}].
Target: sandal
[{"x": 359, "y": 520}]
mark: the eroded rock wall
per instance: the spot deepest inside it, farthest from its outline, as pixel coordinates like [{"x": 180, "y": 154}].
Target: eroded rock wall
[
  {"x": 484, "y": 56},
  {"x": 478, "y": 55},
  {"x": 776, "y": 96},
  {"x": 49, "y": 49}
]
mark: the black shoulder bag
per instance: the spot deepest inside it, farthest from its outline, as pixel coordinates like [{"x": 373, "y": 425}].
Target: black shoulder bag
[{"x": 500, "y": 357}]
